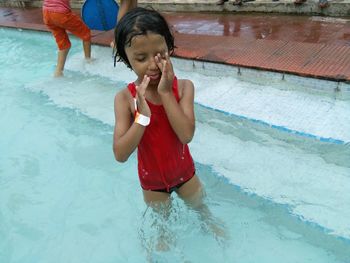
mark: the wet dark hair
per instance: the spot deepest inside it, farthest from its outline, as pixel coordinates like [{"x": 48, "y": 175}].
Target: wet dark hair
[{"x": 139, "y": 21}]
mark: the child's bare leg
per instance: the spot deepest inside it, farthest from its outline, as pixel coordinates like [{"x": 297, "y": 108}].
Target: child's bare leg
[
  {"x": 125, "y": 6},
  {"x": 192, "y": 191},
  {"x": 87, "y": 49},
  {"x": 160, "y": 203},
  {"x": 133, "y": 3},
  {"x": 61, "y": 60},
  {"x": 193, "y": 194},
  {"x": 153, "y": 197}
]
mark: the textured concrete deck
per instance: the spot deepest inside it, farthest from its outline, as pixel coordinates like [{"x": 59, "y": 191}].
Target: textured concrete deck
[{"x": 313, "y": 46}]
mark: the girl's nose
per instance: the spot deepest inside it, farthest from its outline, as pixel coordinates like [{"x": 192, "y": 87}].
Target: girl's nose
[{"x": 153, "y": 64}]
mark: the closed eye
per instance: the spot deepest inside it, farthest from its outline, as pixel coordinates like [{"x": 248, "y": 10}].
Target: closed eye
[{"x": 141, "y": 59}]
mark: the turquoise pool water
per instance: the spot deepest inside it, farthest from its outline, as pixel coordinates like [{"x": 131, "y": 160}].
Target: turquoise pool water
[{"x": 281, "y": 197}]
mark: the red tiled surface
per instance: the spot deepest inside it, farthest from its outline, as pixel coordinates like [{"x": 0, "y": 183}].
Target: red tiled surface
[
  {"x": 303, "y": 45},
  {"x": 292, "y": 56},
  {"x": 331, "y": 61},
  {"x": 257, "y": 53}
]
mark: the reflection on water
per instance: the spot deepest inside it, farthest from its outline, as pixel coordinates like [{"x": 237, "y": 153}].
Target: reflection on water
[{"x": 264, "y": 26}]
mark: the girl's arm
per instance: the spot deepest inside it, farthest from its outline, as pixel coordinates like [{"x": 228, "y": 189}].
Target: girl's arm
[
  {"x": 127, "y": 133},
  {"x": 181, "y": 115}
]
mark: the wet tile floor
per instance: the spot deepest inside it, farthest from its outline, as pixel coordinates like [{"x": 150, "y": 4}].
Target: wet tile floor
[{"x": 312, "y": 46}]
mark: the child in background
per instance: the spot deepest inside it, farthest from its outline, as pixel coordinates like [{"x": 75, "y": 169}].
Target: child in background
[
  {"x": 125, "y": 6},
  {"x": 59, "y": 18},
  {"x": 155, "y": 114}
]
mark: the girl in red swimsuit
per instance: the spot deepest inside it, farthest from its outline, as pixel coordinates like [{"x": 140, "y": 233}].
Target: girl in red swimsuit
[{"x": 155, "y": 113}]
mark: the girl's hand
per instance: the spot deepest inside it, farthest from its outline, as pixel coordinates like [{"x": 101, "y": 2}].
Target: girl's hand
[
  {"x": 166, "y": 81},
  {"x": 142, "y": 106}
]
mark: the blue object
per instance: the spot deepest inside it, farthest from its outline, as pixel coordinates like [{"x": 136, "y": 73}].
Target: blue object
[{"x": 100, "y": 14}]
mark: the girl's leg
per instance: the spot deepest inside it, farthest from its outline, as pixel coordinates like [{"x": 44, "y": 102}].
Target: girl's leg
[
  {"x": 125, "y": 6},
  {"x": 73, "y": 23},
  {"x": 53, "y": 22},
  {"x": 193, "y": 194},
  {"x": 159, "y": 202},
  {"x": 61, "y": 60},
  {"x": 154, "y": 197},
  {"x": 87, "y": 49}
]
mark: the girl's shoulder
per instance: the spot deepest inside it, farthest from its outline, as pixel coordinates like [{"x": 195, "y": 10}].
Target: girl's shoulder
[
  {"x": 123, "y": 97},
  {"x": 123, "y": 94},
  {"x": 185, "y": 86},
  {"x": 184, "y": 82}
]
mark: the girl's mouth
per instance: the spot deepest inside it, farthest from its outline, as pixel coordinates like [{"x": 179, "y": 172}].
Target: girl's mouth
[{"x": 154, "y": 76}]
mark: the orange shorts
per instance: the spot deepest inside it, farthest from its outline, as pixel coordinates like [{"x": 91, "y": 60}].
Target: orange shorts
[{"x": 58, "y": 23}]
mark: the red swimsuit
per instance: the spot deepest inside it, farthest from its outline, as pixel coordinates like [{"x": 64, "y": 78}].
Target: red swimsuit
[{"x": 163, "y": 161}]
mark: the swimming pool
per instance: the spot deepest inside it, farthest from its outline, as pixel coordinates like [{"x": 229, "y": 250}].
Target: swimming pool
[{"x": 282, "y": 196}]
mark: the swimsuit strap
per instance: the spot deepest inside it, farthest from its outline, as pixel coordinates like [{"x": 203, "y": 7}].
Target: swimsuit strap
[
  {"x": 132, "y": 90},
  {"x": 176, "y": 89}
]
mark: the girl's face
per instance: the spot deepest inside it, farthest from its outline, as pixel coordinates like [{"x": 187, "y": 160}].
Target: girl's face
[{"x": 141, "y": 55}]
